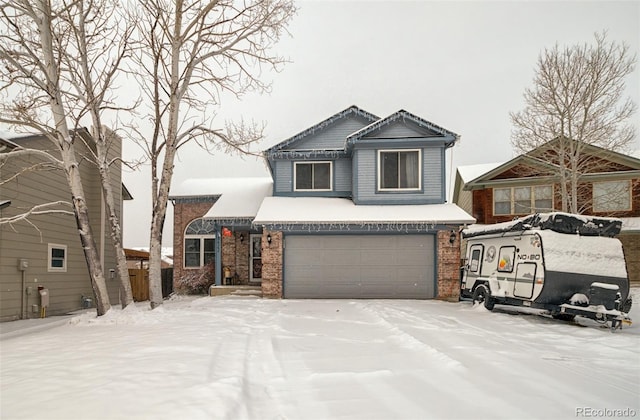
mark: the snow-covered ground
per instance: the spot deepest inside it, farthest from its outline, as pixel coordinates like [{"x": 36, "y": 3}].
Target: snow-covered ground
[{"x": 245, "y": 357}]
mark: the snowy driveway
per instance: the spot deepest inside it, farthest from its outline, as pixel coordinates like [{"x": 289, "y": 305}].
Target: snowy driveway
[{"x": 236, "y": 357}]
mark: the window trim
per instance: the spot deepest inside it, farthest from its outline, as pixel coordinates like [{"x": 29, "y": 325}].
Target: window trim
[
  {"x": 379, "y": 169},
  {"x": 512, "y": 198},
  {"x": 593, "y": 198},
  {"x": 50, "y": 267},
  {"x": 312, "y": 163}
]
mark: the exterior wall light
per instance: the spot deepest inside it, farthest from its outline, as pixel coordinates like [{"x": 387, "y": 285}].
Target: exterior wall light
[
  {"x": 269, "y": 239},
  {"x": 241, "y": 237},
  {"x": 452, "y": 237}
]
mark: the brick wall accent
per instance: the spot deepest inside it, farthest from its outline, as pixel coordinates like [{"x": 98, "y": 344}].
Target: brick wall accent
[
  {"x": 235, "y": 255},
  {"x": 183, "y": 214},
  {"x": 272, "y": 265},
  {"x": 631, "y": 247},
  {"x": 448, "y": 266}
]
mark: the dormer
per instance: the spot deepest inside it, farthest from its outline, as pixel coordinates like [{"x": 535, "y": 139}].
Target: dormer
[
  {"x": 315, "y": 161},
  {"x": 399, "y": 160}
]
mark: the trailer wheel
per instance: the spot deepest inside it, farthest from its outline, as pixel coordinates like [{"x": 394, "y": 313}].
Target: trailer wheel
[{"x": 482, "y": 295}]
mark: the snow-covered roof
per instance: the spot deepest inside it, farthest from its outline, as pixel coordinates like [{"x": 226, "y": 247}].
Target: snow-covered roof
[
  {"x": 303, "y": 210},
  {"x": 471, "y": 172},
  {"x": 239, "y": 197},
  {"x": 630, "y": 224}
]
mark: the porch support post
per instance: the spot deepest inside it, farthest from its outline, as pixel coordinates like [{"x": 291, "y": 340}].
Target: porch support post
[{"x": 218, "y": 245}]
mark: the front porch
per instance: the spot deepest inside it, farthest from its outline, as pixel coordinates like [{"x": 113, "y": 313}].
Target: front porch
[{"x": 235, "y": 290}]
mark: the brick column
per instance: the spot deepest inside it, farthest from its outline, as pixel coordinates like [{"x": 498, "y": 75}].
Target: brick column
[
  {"x": 272, "y": 264},
  {"x": 448, "y": 266}
]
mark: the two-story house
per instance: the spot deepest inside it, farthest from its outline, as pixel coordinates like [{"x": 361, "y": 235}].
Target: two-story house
[
  {"x": 356, "y": 209},
  {"x": 528, "y": 183},
  {"x": 44, "y": 249}
]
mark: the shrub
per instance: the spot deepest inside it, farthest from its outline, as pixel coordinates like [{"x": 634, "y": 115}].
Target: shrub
[{"x": 196, "y": 282}]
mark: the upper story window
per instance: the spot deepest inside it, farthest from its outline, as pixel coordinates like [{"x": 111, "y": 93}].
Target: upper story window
[
  {"x": 522, "y": 200},
  {"x": 313, "y": 176},
  {"x": 199, "y": 243},
  {"x": 57, "y": 259},
  {"x": 612, "y": 196},
  {"x": 399, "y": 170}
]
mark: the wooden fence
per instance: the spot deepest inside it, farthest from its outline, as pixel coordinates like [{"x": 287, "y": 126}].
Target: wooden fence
[{"x": 139, "y": 279}]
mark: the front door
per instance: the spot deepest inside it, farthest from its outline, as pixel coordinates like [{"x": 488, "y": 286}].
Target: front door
[{"x": 255, "y": 258}]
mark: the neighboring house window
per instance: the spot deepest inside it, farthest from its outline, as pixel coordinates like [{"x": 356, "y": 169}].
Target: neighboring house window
[
  {"x": 313, "y": 176},
  {"x": 399, "y": 170},
  {"x": 199, "y": 243},
  {"x": 522, "y": 200},
  {"x": 57, "y": 258},
  {"x": 612, "y": 196}
]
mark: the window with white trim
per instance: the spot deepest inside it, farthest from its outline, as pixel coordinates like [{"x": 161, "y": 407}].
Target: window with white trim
[
  {"x": 399, "y": 170},
  {"x": 313, "y": 176},
  {"x": 522, "y": 200},
  {"x": 57, "y": 258},
  {"x": 199, "y": 244},
  {"x": 612, "y": 196}
]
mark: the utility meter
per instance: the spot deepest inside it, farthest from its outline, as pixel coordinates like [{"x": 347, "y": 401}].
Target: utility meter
[{"x": 23, "y": 264}]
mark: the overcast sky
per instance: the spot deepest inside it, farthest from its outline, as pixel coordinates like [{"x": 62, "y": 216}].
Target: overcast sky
[{"x": 461, "y": 65}]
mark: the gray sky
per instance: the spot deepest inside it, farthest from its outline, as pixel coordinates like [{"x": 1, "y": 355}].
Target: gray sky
[{"x": 461, "y": 65}]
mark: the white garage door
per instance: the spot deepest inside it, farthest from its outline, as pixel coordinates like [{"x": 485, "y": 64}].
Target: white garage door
[{"x": 359, "y": 266}]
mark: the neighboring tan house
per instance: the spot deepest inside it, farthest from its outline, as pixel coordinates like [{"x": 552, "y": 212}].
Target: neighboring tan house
[
  {"x": 499, "y": 192},
  {"x": 45, "y": 250},
  {"x": 356, "y": 209}
]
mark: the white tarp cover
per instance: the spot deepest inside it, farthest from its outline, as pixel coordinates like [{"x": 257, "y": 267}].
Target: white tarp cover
[
  {"x": 594, "y": 255},
  {"x": 303, "y": 210}
]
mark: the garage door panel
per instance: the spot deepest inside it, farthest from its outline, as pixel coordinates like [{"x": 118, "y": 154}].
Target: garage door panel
[{"x": 359, "y": 266}]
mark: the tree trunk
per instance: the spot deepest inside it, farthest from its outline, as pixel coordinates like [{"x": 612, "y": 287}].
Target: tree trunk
[{"x": 68, "y": 155}]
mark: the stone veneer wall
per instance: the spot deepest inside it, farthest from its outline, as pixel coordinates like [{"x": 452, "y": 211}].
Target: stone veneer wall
[
  {"x": 272, "y": 264},
  {"x": 631, "y": 246},
  {"x": 235, "y": 255},
  {"x": 448, "y": 266}
]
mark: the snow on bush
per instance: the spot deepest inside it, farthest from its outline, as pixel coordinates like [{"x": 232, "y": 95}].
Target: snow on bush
[{"x": 197, "y": 281}]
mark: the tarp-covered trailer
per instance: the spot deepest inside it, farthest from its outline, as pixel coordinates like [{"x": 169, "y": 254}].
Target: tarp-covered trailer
[{"x": 564, "y": 263}]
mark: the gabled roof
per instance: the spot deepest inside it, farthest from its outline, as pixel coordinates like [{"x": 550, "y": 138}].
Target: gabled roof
[
  {"x": 535, "y": 158},
  {"x": 352, "y": 110},
  {"x": 449, "y": 136}
]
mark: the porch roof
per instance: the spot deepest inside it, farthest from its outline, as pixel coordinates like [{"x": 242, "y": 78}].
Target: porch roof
[
  {"x": 240, "y": 198},
  {"x": 301, "y": 210}
]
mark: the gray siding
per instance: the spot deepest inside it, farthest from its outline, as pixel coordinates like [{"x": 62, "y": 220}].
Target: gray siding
[
  {"x": 332, "y": 137},
  {"x": 342, "y": 176},
  {"x": 359, "y": 266},
  {"x": 66, "y": 288},
  {"x": 400, "y": 129},
  {"x": 365, "y": 175}
]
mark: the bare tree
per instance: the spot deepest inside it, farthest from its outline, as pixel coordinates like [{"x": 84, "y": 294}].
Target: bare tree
[
  {"x": 191, "y": 52},
  {"x": 576, "y": 101},
  {"x": 58, "y": 67}
]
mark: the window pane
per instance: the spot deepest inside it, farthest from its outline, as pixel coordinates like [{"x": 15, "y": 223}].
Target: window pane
[
  {"x": 192, "y": 252},
  {"x": 505, "y": 258},
  {"x": 503, "y": 208},
  {"x": 209, "y": 245},
  {"x": 522, "y": 193},
  {"x": 57, "y": 263},
  {"x": 389, "y": 169},
  {"x": 543, "y": 192},
  {"x": 321, "y": 176},
  {"x": 611, "y": 196},
  {"x": 502, "y": 194},
  {"x": 543, "y": 205},
  {"x": 57, "y": 253},
  {"x": 409, "y": 170},
  {"x": 304, "y": 172},
  {"x": 209, "y": 250},
  {"x": 522, "y": 207}
]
